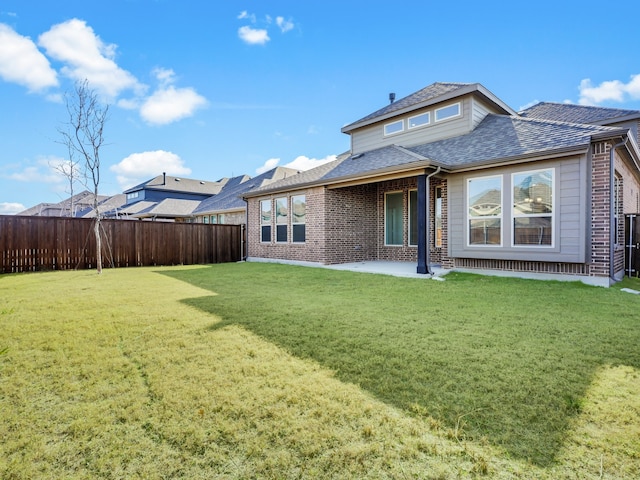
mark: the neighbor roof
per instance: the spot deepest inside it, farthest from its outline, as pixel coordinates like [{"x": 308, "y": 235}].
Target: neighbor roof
[
  {"x": 180, "y": 184},
  {"x": 566, "y": 112},
  {"x": 169, "y": 208},
  {"x": 230, "y": 198}
]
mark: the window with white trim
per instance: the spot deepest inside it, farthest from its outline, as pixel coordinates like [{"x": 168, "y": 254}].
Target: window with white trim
[
  {"x": 450, "y": 111},
  {"x": 419, "y": 120},
  {"x": 532, "y": 196},
  {"x": 282, "y": 219},
  {"x": 298, "y": 218},
  {"x": 265, "y": 221},
  {"x": 393, "y": 220},
  {"x": 394, "y": 127},
  {"x": 484, "y": 211}
]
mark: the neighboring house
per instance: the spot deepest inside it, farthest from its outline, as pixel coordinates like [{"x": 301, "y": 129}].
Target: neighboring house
[
  {"x": 452, "y": 176},
  {"x": 79, "y": 206},
  {"x": 228, "y": 206},
  {"x": 165, "y": 198}
]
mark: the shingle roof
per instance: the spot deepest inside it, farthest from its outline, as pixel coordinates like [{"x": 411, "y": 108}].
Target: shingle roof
[
  {"x": 303, "y": 178},
  {"x": 432, "y": 91},
  {"x": 566, "y": 112},
  {"x": 231, "y": 195},
  {"x": 374, "y": 160},
  {"x": 180, "y": 184},
  {"x": 502, "y": 137},
  {"x": 169, "y": 207},
  {"x": 496, "y": 139}
]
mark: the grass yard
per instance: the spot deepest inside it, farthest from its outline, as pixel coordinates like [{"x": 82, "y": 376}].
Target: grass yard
[{"x": 271, "y": 371}]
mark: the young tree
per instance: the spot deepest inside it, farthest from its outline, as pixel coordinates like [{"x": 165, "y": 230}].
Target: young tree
[
  {"x": 70, "y": 170},
  {"x": 84, "y": 136}
]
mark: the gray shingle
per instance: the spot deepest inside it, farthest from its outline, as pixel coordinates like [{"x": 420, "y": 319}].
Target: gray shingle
[
  {"x": 231, "y": 195},
  {"x": 565, "y": 112},
  {"x": 432, "y": 91},
  {"x": 500, "y": 137}
]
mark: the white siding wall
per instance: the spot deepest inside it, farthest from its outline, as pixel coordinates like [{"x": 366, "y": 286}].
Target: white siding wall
[
  {"x": 479, "y": 111},
  {"x": 570, "y": 215}
]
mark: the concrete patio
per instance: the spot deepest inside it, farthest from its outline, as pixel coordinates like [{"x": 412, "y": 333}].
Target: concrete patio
[{"x": 397, "y": 269}]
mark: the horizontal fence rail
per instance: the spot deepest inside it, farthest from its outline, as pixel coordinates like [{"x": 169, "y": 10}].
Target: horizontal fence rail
[{"x": 29, "y": 244}]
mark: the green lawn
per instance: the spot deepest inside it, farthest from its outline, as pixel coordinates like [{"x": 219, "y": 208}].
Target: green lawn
[{"x": 271, "y": 371}]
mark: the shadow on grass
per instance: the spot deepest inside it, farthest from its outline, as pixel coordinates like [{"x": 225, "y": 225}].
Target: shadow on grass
[{"x": 502, "y": 360}]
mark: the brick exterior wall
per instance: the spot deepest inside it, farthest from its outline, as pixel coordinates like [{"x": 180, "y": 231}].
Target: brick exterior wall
[
  {"x": 312, "y": 250},
  {"x": 350, "y": 231},
  {"x": 347, "y": 225},
  {"x": 404, "y": 253}
]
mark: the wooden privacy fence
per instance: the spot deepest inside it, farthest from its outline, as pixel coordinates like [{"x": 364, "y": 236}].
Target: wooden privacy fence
[{"x": 30, "y": 244}]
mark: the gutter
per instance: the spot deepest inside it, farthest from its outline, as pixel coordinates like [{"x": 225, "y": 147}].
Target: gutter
[
  {"x": 612, "y": 213},
  {"x": 428, "y": 225},
  {"x": 244, "y": 245}
]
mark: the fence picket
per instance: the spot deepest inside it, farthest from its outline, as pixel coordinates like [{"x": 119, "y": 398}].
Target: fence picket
[{"x": 30, "y": 244}]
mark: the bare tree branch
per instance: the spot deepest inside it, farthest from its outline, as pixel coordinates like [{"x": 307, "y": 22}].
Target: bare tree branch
[{"x": 84, "y": 137}]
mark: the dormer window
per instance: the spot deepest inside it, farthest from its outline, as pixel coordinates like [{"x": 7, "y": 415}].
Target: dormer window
[
  {"x": 394, "y": 127},
  {"x": 450, "y": 111},
  {"x": 419, "y": 120}
]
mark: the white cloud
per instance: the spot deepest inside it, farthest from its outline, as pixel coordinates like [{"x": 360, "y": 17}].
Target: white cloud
[
  {"x": 253, "y": 36},
  {"x": 11, "y": 208},
  {"x": 300, "y": 163},
  {"x": 305, "y": 163},
  {"x": 170, "y": 104},
  {"x": 42, "y": 172},
  {"x": 268, "y": 165},
  {"x": 248, "y": 16},
  {"x": 530, "y": 104},
  {"x": 21, "y": 62},
  {"x": 285, "y": 25},
  {"x": 87, "y": 57},
  {"x": 610, "y": 90},
  {"x": 138, "y": 167}
]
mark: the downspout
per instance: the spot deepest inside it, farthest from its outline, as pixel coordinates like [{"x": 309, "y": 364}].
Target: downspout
[
  {"x": 425, "y": 268},
  {"x": 612, "y": 208},
  {"x": 244, "y": 243}
]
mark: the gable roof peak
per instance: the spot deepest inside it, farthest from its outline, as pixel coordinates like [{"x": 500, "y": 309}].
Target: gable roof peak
[{"x": 429, "y": 95}]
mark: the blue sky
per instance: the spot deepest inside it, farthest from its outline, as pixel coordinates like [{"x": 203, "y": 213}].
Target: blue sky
[{"x": 212, "y": 89}]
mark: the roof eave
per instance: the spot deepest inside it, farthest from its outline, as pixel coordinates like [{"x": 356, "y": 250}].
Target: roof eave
[
  {"x": 528, "y": 157},
  {"x": 369, "y": 176}
]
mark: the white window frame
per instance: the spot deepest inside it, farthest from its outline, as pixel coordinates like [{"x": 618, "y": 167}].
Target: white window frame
[
  {"x": 515, "y": 214},
  {"x": 293, "y": 197},
  {"x": 468, "y": 217},
  {"x": 266, "y": 224},
  {"x": 395, "y": 132},
  {"x": 420, "y": 125},
  {"x": 286, "y": 221},
  {"x": 450, "y": 117}
]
